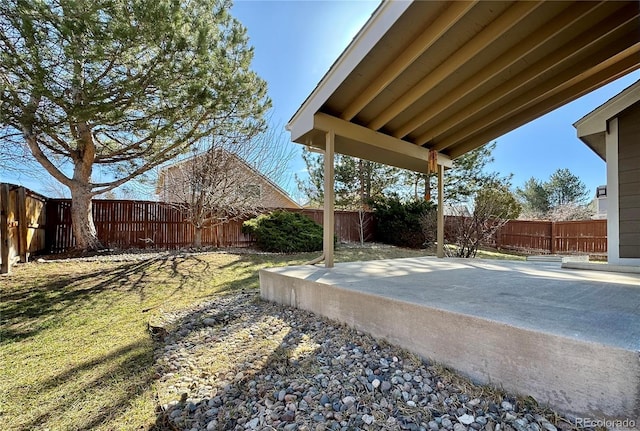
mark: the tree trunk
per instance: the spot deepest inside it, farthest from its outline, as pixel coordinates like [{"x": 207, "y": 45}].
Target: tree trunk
[
  {"x": 361, "y": 180},
  {"x": 361, "y": 216},
  {"x": 197, "y": 237},
  {"x": 82, "y": 220}
]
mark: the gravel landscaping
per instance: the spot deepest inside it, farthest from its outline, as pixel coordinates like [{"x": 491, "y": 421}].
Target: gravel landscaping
[{"x": 239, "y": 363}]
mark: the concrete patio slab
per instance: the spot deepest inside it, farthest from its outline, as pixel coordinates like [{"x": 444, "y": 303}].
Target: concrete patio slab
[{"x": 569, "y": 338}]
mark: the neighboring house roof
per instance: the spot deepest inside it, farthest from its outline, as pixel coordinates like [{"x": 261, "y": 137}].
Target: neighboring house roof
[
  {"x": 460, "y": 210},
  {"x": 592, "y": 127},
  {"x": 165, "y": 170}
]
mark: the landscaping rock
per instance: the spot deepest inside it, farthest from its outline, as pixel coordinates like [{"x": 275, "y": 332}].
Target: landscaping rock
[
  {"x": 273, "y": 367},
  {"x": 466, "y": 419},
  {"x": 506, "y": 405}
]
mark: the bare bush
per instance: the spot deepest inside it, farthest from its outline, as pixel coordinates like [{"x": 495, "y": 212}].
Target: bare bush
[
  {"x": 493, "y": 207},
  {"x": 429, "y": 226}
]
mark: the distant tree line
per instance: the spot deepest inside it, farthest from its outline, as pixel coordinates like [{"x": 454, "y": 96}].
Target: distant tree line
[
  {"x": 359, "y": 182},
  {"x": 562, "y": 197}
]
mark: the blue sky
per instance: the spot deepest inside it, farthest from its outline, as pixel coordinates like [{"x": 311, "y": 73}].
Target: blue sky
[{"x": 297, "y": 41}]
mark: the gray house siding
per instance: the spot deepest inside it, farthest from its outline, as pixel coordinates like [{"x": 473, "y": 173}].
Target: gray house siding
[{"x": 629, "y": 181}]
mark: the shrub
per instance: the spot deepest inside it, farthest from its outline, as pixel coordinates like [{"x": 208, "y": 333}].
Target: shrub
[
  {"x": 399, "y": 223},
  {"x": 284, "y": 232},
  {"x": 493, "y": 207}
]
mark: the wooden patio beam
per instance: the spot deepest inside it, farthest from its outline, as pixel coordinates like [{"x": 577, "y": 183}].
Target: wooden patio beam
[
  {"x": 551, "y": 29},
  {"x": 424, "y": 41},
  {"x": 556, "y": 95},
  {"x": 507, "y": 20},
  {"x": 440, "y": 222},
  {"x": 326, "y": 123},
  {"x": 580, "y": 45},
  {"x": 328, "y": 214},
  {"x": 604, "y": 73}
]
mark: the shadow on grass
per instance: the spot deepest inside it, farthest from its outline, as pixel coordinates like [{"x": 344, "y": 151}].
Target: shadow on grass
[
  {"x": 129, "y": 364},
  {"x": 26, "y": 311},
  {"x": 126, "y": 371}
]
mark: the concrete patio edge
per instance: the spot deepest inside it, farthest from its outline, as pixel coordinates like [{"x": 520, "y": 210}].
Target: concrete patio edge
[
  {"x": 570, "y": 375},
  {"x": 602, "y": 267}
]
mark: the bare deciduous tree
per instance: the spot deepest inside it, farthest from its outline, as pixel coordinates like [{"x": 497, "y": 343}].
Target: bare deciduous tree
[
  {"x": 225, "y": 178},
  {"x": 571, "y": 211},
  {"x": 363, "y": 223},
  {"x": 429, "y": 225},
  {"x": 493, "y": 207}
]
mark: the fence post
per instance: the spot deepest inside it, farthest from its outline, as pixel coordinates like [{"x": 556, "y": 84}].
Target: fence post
[
  {"x": 5, "y": 267},
  {"x": 23, "y": 227},
  {"x": 553, "y": 237}
]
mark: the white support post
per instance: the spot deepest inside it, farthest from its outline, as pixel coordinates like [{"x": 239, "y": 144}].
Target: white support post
[
  {"x": 440, "y": 232},
  {"x": 328, "y": 217},
  {"x": 613, "y": 197}
]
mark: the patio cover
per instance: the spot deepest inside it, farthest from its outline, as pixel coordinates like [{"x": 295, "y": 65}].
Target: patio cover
[{"x": 451, "y": 76}]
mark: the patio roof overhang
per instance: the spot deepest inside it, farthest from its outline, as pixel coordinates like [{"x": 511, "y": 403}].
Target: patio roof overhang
[{"x": 452, "y": 76}]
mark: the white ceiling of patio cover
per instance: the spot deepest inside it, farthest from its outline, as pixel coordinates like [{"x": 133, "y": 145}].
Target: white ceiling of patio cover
[{"x": 452, "y": 76}]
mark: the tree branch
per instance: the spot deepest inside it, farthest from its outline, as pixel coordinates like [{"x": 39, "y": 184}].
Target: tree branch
[{"x": 42, "y": 158}]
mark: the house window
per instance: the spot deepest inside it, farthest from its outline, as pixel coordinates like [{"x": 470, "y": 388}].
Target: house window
[{"x": 250, "y": 191}]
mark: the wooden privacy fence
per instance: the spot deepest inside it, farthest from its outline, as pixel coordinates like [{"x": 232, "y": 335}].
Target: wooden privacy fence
[
  {"x": 22, "y": 223},
  {"x": 131, "y": 224},
  {"x": 31, "y": 223},
  {"x": 565, "y": 237},
  {"x": 144, "y": 224},
  {"x": 347, "y": 223}
]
